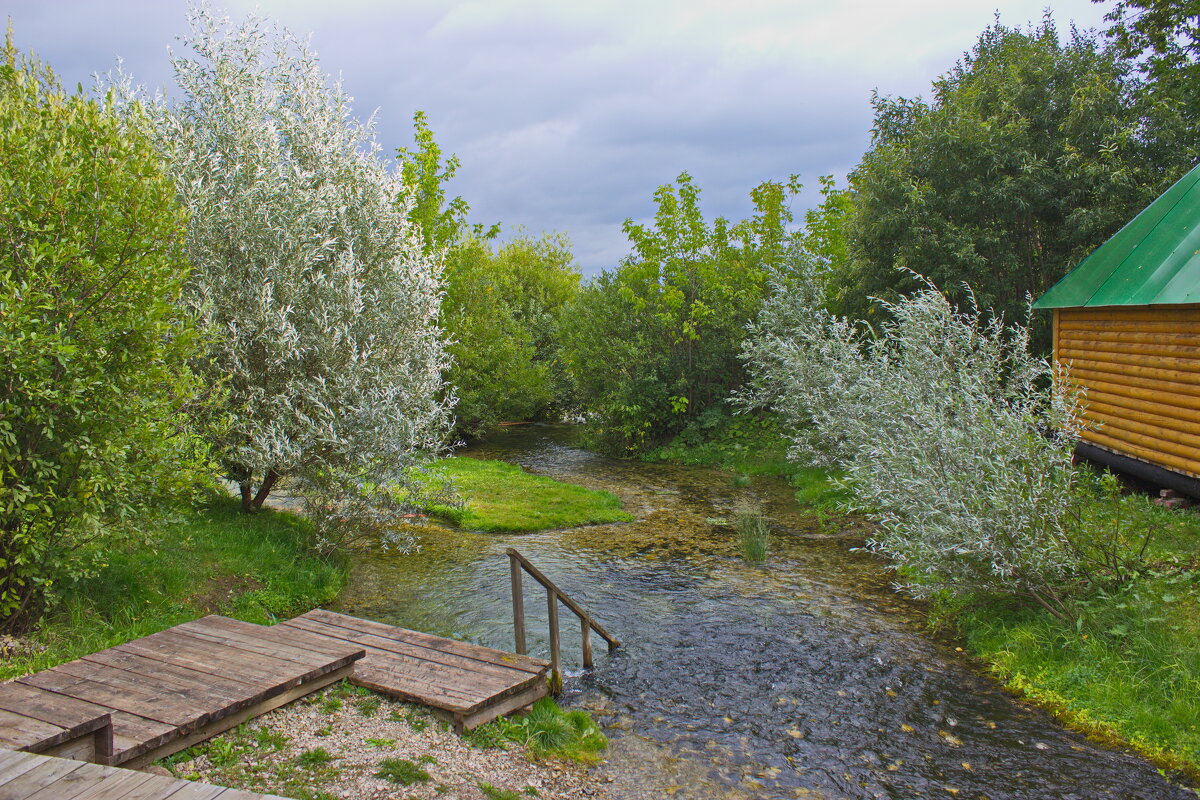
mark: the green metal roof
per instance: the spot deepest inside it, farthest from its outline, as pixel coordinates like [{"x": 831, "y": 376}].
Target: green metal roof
[{"x": 1153, "y": 260}]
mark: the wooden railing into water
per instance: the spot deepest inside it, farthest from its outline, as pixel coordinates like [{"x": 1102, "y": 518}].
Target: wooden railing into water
[{"x": 517, "y": 564}]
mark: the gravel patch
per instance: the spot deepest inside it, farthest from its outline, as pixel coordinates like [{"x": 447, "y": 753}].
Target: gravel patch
[{"x": 331, "y": 743}]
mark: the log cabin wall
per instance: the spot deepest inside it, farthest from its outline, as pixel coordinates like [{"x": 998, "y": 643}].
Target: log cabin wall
[{"x": 1140, "y": 366}]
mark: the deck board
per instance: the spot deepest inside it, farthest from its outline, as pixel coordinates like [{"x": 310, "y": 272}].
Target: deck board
[
  {"x": 463, "y": 681},
  {"x": 167, "y": 687},
  {"x": 144, "y": 699},
  {"x": 27, "y": 776}
]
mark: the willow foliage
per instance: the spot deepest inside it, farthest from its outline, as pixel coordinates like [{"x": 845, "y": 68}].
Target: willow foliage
[{"x": 307, "y": 269}]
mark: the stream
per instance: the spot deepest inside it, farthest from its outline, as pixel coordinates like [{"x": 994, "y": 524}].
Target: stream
[{"x": 805, "y": 676}]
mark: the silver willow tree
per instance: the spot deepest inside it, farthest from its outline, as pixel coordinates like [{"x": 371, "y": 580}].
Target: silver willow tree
[{"x": 321, "y": 303}]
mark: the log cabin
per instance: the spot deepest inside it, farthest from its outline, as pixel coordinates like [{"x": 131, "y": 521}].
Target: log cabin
[{"x": 1126, "y": 323}]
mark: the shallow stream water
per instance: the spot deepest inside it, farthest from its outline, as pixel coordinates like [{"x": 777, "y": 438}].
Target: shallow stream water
[{"x": 803, "y": 677}]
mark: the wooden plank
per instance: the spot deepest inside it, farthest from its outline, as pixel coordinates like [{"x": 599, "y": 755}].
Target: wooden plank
[
  {"x": 262, "y": 642},
  {"x": 1133, "y": 445},
  {"x": 506, "y": 705},
  {"x": 84, "y": 778},
  {"x": 378, "y": 645},
  {"x": 196, "y": 791},
  {"x": 42, "y": 774},
  {"x": 1134, "y": 337},
  {"x": 142, "y": 702},
  {"x": 316, "y": 645},
  {"x": 1180, "y": 444},
  {"x": 1088, "y": 376},
  {"x": 556, "y": 679},
  {"x": 452, "y": 686},
  {"x": 18, "y": 731},
  {"x": 146, "y": 755},
  {"x": 188, "y": 702},
  {"x": 1122, "y": 408},
  {"x": 1183, "y": 378},
  {"x": 1142, "y": 454},
  {"x": 77, "y": 716},
  {"x": 177, "y": 674},
  {"x": 1166, "y": 403},
  {"x": 518, "y": 602},
  {"x": 15, "y": 764},
  {"x": 120, "y": 783},
  {"x": 184, "y": 651},
  {"x": 527, "y": 663},
  {"x": 1179, "y": 366}
]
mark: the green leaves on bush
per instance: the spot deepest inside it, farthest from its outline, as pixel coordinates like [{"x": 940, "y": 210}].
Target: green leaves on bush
[{"x": 94, "y": 347}]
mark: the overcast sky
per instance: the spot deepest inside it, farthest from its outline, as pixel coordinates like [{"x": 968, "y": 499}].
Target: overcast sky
[{"x": 567, "y": 115}]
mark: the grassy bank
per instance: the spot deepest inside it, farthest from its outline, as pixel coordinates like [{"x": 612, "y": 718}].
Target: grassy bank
[
  {"x": 503, "y": 497},
  {"x": 212, "y": 560},
  {"x": 748, "y": 446},
  {"x": 1129, "y": 669},
  {"x": 1127, "y": 672}
]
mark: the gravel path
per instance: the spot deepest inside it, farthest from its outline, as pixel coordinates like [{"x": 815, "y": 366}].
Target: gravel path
[{"x": 331, "y": 744}]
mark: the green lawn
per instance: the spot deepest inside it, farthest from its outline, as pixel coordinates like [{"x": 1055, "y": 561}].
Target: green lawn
[
  {"x": 503, "y": 497},
  {"x": 214, "y": 559},
  {"x": 1129, "y": 670}
]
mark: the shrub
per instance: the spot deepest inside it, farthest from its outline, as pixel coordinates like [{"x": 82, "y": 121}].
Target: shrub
[
  {"x": 322, "y": 300},
  {"x": 949, "y": 433},
  {"x": 94, "y": 347}
]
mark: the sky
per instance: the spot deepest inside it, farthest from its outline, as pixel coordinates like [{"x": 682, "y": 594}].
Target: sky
[{"x": 568, "y": 115}]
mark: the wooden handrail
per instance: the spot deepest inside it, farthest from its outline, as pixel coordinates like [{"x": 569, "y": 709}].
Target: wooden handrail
[{"x": 517, "y": 564}]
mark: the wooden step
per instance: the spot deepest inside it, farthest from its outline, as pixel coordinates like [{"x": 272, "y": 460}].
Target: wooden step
[
  {"x": 468, "y": 684},
  {"x": 145, "y": 699}
]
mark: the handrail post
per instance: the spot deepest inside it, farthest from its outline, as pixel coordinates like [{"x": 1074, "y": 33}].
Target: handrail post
[
  {"x": 518, "y": 600},
  {"x": 556, "y": 680},
  {"x": 587, "y": 642}
]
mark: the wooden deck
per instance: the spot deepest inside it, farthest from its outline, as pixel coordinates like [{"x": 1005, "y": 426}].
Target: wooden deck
[
  {"x": 166, "y": 691},
  {"x": 468, "y": 684},
  {"x": 140, "y": 701},
  {"x": 26, "y": 776}
]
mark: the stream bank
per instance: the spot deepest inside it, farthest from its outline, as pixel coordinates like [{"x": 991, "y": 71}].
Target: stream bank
[{"x": 805, "y": 676}]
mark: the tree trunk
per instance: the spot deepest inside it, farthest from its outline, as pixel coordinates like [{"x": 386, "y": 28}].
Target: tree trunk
[
  {"x": 264, "y": 489},
  {"x": 247, "y": 496}
]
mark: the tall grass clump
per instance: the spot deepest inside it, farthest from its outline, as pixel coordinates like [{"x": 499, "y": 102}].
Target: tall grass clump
[
  {"x": 952, "y": 435},
  {"x": 753, "y": 534}
]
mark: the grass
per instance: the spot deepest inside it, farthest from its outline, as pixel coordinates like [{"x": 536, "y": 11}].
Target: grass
[
  {"x": 749, "y": 446},
  {"x": 753, "y": 534},
  {"x": 404, "y": 772},
  {"x": 214, "y": 559},
  {"x": 501, "y": 497},
  {"x": 548, "y": 731},
  {"x": 1129, "y": 669}
]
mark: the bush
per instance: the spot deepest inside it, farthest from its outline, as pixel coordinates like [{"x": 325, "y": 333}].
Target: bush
[
  {"x": 949, "y": 434},
  {"x": 95, "y": 350},
  {"x": 307, "y": 270},
  {"x": 653, "y": 344}
]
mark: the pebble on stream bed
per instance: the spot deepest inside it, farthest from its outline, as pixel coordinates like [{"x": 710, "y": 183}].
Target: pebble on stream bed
[{"x": 332, "y": 743}]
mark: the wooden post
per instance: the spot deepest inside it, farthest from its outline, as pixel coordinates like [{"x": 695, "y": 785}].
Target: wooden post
[
  {"x": 587, "y": 643},
  {"x": 518, "y": 598},
  {"x": 556, "y": 680}
]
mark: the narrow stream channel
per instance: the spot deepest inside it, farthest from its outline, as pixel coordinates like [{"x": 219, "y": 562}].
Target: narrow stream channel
[{"x": 803, "y": 677}]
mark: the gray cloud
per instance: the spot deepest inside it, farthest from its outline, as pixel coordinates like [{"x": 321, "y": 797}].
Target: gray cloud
[{"x": 567, "y": 117}]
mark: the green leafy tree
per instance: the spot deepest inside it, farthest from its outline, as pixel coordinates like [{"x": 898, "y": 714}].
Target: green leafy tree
[
  {"x": 95, "y": 350},
  {"x": 442, "y": 223},
  {"x": 322, "y": 301},
  {"x": 501, "y": 311},
  {"x": 1164, "y": 35},
  {"x": 1029, "y": 155},
  {"x": 652, "y": 344}
]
